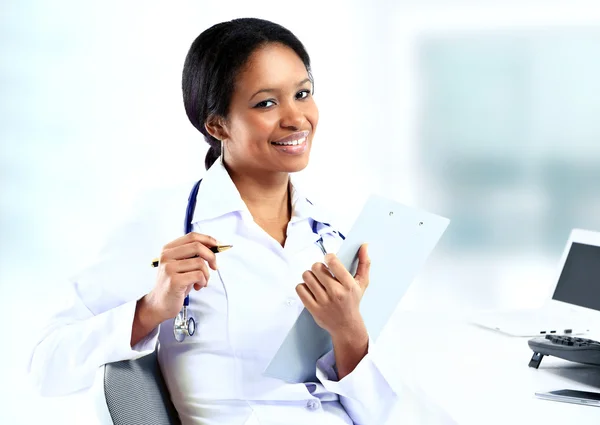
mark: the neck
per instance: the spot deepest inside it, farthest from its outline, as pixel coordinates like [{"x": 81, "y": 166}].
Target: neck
[{"x": 265, "y": 194}]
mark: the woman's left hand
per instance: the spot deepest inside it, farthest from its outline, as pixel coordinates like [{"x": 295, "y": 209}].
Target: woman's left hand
[{"x": 334, "y": 301}]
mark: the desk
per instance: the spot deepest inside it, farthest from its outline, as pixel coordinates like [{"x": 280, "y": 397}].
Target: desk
[{"x": 479, "y": 376}]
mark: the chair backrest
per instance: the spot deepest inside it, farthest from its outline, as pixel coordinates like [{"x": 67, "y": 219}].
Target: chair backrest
[{"x": 136, "y": 393}]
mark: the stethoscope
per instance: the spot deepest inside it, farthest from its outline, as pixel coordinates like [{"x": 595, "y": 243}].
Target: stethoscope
[
  {"x": 184, "y": 324},
  {"x": 319, "y": 242}
]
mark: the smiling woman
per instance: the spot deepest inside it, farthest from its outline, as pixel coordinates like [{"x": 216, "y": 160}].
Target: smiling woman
[
  {"x": 248, "y": 89},
  {"x": 272, "y": 112},
  {"x": 247, "y": 85}
]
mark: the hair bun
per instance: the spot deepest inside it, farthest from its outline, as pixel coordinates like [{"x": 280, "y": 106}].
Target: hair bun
[{"x": 214, "y": 152}]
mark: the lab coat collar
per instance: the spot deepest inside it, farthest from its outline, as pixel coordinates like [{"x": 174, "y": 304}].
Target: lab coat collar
[
  {"x": 303, "y": 208},
  {"x": 218, "y": 196}
]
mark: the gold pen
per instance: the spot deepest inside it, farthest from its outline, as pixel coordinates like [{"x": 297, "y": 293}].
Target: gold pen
[{"x": 216, "y": 249}]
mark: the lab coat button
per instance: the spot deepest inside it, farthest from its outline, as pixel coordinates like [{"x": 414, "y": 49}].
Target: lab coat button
[
  {"x": 313, "y": 404},
  {"x": 289, "y": 301}
]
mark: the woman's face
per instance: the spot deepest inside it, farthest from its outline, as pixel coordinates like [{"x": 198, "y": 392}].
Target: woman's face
[{"x": 272, "y": 116}]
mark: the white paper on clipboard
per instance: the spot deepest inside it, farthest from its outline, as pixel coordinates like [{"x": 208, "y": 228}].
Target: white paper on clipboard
[{"x": 400, "y": 239}]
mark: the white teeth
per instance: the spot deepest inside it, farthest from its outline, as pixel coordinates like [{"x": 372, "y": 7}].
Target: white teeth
[{"x": 291, "y": 143}]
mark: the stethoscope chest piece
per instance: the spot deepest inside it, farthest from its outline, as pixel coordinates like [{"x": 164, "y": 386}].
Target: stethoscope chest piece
[{"x": 183, "y": 325}]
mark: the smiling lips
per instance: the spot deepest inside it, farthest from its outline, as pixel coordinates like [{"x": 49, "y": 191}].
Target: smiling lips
[{"x": 293, "y": 144}]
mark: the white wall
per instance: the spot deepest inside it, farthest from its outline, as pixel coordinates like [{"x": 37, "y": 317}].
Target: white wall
[{"x": 92, "y": 114}]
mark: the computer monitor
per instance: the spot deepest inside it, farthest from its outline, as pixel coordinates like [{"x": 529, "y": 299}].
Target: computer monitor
[{"x": 579, "y": 281}]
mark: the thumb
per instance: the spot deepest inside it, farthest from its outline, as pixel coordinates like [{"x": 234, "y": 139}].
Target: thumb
[{"x": 364, "y": 266}]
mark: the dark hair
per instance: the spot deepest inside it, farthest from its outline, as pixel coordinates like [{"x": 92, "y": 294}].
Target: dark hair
[{"x": 213, "y": 62}]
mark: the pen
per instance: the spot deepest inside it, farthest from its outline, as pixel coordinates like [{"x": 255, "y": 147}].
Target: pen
[{"x": 215, "y": 249}]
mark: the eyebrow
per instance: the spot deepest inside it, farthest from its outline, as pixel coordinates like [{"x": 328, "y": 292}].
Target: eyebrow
[{"x": 306, "y": 80}]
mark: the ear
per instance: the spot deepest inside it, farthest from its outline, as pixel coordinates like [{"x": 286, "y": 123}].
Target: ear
[{"x": 216, "y": 127}]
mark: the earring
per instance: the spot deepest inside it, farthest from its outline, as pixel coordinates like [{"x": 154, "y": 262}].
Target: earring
[{"x": 222, "y": 152}]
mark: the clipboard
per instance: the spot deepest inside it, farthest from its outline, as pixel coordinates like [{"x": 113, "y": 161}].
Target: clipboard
[{"x": 400, "y": 239}]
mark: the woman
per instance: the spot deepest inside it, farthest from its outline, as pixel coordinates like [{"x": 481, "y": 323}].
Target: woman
[{"x": 247, "y": 88}]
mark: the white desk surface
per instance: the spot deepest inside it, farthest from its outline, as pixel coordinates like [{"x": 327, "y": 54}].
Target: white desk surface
[
  {"x": 461, "y": 374},
  {"x": 479, "y": 376}
]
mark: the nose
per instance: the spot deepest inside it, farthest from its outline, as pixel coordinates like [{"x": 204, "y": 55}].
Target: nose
[{"x": 292, "y": 117}]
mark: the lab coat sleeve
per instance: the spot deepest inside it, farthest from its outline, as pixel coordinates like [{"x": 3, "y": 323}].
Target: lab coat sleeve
[
  {"x": 78, "y": 342},
  {"x": 365, "y": 393},
  {"x": 95, "y": 326}
]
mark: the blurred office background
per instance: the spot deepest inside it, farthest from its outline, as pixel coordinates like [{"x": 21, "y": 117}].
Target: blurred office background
[{"x": 485, "y": 112}]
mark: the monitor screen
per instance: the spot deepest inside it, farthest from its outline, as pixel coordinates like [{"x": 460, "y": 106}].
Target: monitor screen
[{"x": 579, "y": 281}]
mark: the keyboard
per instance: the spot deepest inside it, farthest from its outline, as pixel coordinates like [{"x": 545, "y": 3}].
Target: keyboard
[
  {"x": 574, "y": 349},
  {"x": 539, "y": 322}
]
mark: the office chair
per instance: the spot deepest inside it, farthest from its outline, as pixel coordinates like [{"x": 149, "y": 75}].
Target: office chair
[{"x": 132, "y": 392}]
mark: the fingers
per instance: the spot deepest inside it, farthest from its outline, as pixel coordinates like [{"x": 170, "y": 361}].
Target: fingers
[
  {"x": 192, "y": 237},
  {"x": 189, "y": 265},
  {"x": 313, "y": 284},
  {"x": 195, "y": 279},
  {"x": 306, "y": 296},
  {"x": 189, "y": 250},
  {"x": 342, "y": 275},
  {"x": 364, "y": 267}
]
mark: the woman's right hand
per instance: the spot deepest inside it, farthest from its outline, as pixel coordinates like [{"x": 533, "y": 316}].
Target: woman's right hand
[{"x": 182, "y": 266}]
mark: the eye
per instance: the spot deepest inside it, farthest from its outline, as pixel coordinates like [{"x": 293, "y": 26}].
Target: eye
[
  {"x": 303, "y": 94},
  {"x": 265, "y": 104}
]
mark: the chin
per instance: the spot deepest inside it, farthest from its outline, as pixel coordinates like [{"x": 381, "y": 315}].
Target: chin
[{"x": 295, "y": 165}]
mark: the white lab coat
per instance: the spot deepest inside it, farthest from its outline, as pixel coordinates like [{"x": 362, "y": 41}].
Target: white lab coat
[{"x": 242, "y": 316}]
